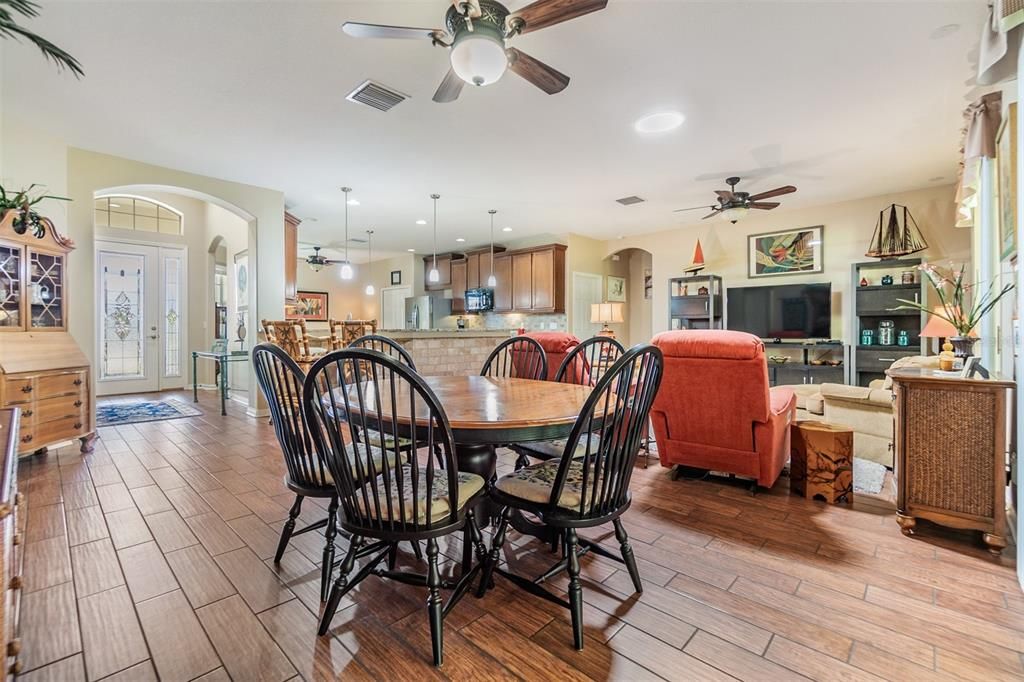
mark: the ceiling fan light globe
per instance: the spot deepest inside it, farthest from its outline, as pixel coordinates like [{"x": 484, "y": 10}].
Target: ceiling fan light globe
[
  {"x": 346, "y": 270},
  {"x": 316, "y": 267},
  {"x": 479, "y": 59},
  {"x": 734, "y": 214},
  {"x": 433, "y": 276}
]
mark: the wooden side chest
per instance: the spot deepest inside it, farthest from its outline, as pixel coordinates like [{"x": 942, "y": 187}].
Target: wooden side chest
[{"x": 952, "y": 443}]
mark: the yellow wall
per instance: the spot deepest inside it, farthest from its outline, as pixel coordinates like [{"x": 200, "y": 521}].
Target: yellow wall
[{"x": 848, "y": 228}]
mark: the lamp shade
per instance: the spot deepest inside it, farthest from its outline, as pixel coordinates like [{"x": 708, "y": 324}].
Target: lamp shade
[
  {"x": 938, "y": 327},
  {"x": 605, "y": 313}
]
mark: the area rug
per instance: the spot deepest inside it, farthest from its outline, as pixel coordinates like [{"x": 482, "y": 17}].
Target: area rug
[
  {"x": 118, "y": 414},
  {"x": 868, "y": 476}
]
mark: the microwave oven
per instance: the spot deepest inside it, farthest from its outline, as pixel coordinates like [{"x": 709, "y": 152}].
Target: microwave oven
[{"x": 479, "y": 300}]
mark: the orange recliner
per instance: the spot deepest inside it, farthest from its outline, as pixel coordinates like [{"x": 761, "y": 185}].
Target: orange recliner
[
  {"x": 715, "y": 409},
  {"x": 556, "y": 346}
]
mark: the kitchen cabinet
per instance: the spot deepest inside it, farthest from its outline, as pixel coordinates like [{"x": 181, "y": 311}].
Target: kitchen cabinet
[
  {"x": 473, "y": 280},
  {"x": 543, "y": 280},
  {"x": 459, "y": 286},
  {"x": 503, "y": 284},
  {"x": 522, "y": 281},
  {"x": 444, "y": 269},
  {"x": 291, "y": 256}
]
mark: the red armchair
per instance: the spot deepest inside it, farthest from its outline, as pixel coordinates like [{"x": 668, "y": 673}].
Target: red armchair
[
  {"x": 556, "y": 346},
  {"x": 715, "y": 409}
]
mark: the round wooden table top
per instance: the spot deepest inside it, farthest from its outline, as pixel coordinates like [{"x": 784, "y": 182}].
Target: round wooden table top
[{"x": 497, "y": 410}]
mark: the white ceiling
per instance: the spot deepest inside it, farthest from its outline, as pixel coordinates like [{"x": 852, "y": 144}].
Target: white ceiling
[{"x": 842, "y": 99}]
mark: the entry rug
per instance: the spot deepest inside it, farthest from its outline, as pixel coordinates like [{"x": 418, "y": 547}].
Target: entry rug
[{"x": 117, "y": 414}]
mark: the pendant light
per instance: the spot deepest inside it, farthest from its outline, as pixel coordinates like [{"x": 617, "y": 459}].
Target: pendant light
[
  {"x": 434, "y": 276},
  {"x": 492, "y": 281},
  {"x": 369, "y": 263},
  {"x": 346, "y": 265}
]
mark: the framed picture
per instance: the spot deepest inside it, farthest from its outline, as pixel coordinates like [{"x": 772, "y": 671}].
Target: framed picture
[
  {"x": 1006, "y": 165},
  {"x": 791, "y": 252},
  {"x": 396, "y": 277},
  {"x": 616, "y": 289},
  {"x": 242, "y": 280},
  {"x": 310, "y": 306},
  {"x": 648, "y": 284}
]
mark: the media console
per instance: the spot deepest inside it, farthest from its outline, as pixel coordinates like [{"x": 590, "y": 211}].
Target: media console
[{"x": 807, "y": 362}]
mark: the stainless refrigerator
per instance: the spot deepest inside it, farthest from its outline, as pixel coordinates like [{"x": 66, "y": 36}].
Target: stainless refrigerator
[{"x": 425, "y": 312}]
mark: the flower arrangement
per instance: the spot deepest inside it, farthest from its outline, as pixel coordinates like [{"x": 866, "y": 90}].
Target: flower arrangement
[
  {"x": 962, "y": 304},
  {"x": 23, "y": 201}
]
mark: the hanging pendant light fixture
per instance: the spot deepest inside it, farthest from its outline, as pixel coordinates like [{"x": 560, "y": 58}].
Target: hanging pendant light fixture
[
  {"x": 434, "y": 276},
  {"x": 492, "y": 281},
  {"x": 369, "y": 263},
  {"x": 346, "y": 265}
]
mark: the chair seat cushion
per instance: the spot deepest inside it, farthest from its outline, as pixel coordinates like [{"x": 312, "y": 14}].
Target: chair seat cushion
[
  {"x": 401, "y": 497},
  {"x": 556, "y": 448},
  {"x": 389, "y": 440},
  {"x": 533, "y": 483}
]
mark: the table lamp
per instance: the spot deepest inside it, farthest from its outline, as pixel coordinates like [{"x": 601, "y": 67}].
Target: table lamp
[
  {"x": 605, "y": 313},
  {"x": 939, "y": 327}
]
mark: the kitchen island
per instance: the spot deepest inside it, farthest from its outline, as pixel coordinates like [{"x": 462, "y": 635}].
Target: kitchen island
[{"x": 448, "y": 352}]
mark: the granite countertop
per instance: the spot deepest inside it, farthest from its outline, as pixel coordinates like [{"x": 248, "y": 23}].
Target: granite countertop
[{"x": 444, "y": 333}]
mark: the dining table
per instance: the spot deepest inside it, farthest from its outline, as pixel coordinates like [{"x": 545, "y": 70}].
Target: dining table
[{"x": 488, "y": 412}]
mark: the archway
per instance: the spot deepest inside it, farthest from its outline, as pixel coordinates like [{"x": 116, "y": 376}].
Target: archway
[{"x": 633, "y": 265}]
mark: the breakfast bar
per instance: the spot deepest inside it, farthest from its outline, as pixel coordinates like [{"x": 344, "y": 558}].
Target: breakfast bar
[{"x": 448, "y": 352}]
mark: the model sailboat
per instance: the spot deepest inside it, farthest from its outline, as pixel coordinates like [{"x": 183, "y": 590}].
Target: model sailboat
[
  {"x": 698, "y": 261},
  {"x": 896, "y": 235}
]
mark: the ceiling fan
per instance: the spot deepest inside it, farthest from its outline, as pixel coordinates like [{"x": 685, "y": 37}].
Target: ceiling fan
[
  {"x": 733, "y": 205},
  {"x": 476, "y": 35}
]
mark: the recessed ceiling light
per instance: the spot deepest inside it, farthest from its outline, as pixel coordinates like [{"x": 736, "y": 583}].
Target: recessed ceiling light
[
  {"x": 506, "y": 229},
  {"x": 421, "y": 221},
  {"x": 943, "y": 31},
  {"x": 661, "y": 122},
  {"x": 353, "y": 202},
  {"x": 411, "y": 250},
  {"x": 459, "y": 239}
]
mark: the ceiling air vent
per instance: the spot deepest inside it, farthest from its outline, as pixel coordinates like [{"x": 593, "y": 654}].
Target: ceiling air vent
[
  {"x": 629, "y": 201},
  {"x": 376, "y": 95}
]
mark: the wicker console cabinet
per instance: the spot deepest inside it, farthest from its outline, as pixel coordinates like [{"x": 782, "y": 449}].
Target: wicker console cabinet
[{"x": 952, "y": 441}]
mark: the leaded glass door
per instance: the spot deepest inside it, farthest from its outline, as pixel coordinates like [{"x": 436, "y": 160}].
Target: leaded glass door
[{"x": 141, "y": 325}]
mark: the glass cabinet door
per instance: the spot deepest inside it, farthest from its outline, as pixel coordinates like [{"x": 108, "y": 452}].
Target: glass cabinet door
[
  {"x": 10, "y": 285},
  {"x": 46, "y": 290}
]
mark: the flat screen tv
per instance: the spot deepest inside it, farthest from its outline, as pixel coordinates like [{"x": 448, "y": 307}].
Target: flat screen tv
[{"x": 785, "y": 311}]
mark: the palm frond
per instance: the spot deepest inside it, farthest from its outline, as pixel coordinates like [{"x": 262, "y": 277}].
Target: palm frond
[{"x": 10, "y": 29}]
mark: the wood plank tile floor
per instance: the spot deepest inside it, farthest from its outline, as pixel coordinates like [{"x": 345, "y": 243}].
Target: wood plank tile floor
[{"x": 151, "y": 558}]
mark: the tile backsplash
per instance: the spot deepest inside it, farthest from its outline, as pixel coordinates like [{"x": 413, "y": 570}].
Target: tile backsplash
[{"x": 532, "y": 322}]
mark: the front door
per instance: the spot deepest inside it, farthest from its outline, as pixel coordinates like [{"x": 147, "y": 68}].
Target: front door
[{"x": 141, "y": 327}]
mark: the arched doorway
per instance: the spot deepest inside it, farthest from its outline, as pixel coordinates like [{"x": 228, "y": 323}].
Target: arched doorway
[{"x": 632, "y": 269}]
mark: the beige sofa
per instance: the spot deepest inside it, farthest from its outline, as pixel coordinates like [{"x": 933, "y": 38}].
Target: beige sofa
[{"x": 868, "y": 411}]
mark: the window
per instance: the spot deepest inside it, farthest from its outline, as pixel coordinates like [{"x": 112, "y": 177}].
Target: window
[{"x": 134, "y": 213}]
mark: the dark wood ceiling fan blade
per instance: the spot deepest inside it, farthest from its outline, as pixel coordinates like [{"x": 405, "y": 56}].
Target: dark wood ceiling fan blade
[
  {"x": 544, "y": 13},
  {"x": 765, "y": 205},
  {"x": 537, "y": 72},
  {"x": 777, "y": 192},
  {"x": 693, "y": 208},
  {"x": 712, "y": 214},
  {"x": 357, "y": 30},
  {"x": 725, "y": 195},
  {"x": 450, "y": 88}
]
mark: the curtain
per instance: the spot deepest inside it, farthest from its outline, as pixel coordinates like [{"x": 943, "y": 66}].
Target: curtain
[
  {"x": 982, "y": 119},
  {"x": 1000, "y": 42}
]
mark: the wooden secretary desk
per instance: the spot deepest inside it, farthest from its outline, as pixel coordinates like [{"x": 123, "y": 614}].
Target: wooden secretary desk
[{"x": 42, "y": 369}]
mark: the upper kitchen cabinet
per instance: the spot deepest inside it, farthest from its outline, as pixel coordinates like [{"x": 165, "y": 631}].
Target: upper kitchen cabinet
[
  {"x": 444, "y": 269},
  {"x": 291, "y": 255},
  {"x": 503, "y": 283},
  {"x": 538, "y": 280}
]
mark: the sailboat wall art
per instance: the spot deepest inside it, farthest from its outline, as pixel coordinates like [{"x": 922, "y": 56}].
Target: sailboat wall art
[{"x": 896, "y": 234}]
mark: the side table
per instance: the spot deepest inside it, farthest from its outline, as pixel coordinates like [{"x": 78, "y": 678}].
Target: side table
[{"x": 821, "y": 461}]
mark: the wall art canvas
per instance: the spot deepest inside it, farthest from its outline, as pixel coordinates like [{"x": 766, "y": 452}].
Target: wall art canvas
[
  {"x": 310, "y": 306},
  {"x": 790, "y": 252},
  {"x": 616, "y": 289}
]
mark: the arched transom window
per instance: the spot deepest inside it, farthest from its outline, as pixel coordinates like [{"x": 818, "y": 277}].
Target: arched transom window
[{"x": 136, "y": 213}]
